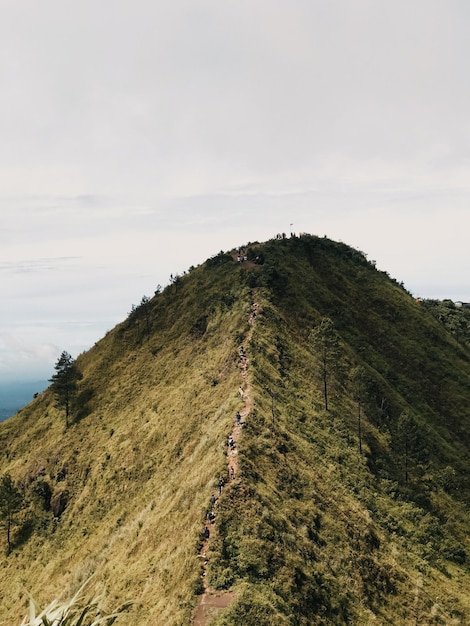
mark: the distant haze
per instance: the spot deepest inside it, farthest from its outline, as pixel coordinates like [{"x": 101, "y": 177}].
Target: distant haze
[{"x": 14, "y": 396}]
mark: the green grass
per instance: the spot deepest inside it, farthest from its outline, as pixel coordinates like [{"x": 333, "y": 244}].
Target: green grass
[
  {"x": 312, "y": 531},
  {"x": 364, "y": 535}
]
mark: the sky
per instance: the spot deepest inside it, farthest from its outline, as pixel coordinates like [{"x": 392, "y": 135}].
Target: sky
[{"x": 140, "y": 138}]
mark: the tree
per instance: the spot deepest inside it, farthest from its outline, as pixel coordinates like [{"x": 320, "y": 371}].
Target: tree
[
  {"x": 358, "y": 379},
  {"x": 65, "y": 383},
  {"x": 407, "y": 441},
  {"x": 325, "y": 342},
  {"x": 145, "y": 306},
  {"x": 11, "y": 502},
  {"x": 142, "y": 311}
]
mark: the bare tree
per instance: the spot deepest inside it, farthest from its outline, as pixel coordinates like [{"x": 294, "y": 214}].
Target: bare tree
[
  {"x": 324, "y": 341},
  {"x": 358, "y": 380}
]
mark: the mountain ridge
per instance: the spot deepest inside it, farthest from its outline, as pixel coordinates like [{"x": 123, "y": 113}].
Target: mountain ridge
[{"x": 313, "y": 530}]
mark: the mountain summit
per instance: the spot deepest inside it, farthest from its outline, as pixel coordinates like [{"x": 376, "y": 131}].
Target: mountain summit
[{"x": 286, "y": 396}]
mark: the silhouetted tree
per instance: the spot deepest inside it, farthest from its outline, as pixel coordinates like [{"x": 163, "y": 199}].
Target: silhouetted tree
[
  {"x": 11, "y": 502},
  {"x": 65, "y": 383},
  {"x": 140, "y": 314},
  {"x": 325, "y": 343},
  {"x": 175, "y": 281},
  {"x": 145, "y": 306}
]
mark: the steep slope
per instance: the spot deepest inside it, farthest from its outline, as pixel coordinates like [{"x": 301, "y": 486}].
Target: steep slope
[
  {"x": 136, "y": 469},
  {"x": 318, "y": 531},
  {"x": 324, "y": 523}
]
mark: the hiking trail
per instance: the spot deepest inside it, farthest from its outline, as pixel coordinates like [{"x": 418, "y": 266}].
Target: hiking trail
[{"x": 211, "y": 601}]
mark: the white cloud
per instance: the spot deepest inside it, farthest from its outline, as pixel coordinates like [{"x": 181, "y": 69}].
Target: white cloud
[{"x": 140, "y": 138}]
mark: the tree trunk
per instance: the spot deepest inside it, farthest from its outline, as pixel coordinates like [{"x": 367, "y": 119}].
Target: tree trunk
[
  {"x": 359, "y": 426},
  {"x": 325, "y": 385}
]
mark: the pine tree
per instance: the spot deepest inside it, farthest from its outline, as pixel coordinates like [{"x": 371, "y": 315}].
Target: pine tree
[
  {"x": 11, "y": 501},
  {"x": 65, "y": 383}
]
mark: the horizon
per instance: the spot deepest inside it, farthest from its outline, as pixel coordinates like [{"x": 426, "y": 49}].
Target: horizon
[
  {"x": 92, "y": 332},
  {"x": 216, "y": 124},
  {"x": 18, "y": 388},
  {"x": 15, "y": 395}
]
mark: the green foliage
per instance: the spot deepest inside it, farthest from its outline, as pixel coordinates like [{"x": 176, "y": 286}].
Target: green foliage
[
  {"x": 455, "y": 319},
  {"x": 11, "y": 502},
  {"x": 260, "y": 606},
  {"x": 325, "y": 342},
  {"x": 219, "y": 259},
  {"x": 294, "y": 454},
  {"x": 42, "y": 490},
  {"x": 65, "y": 384}
]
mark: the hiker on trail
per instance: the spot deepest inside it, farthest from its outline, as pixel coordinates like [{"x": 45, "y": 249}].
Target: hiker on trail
[
  {"x": 232, "y": 473},
  {"x": 220, "y": 486},
  {"x": 239, "y": 417},
  {"x": 212, "y": 501},
  {"x": 240, "y": 391},
  {"x": 231, "y": 442},
  {"x": 211, "y": 517},
  {"x": 207, "y": 533}
]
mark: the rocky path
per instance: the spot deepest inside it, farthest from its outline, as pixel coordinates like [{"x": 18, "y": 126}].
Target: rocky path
[{"x": 211, "y": 601}]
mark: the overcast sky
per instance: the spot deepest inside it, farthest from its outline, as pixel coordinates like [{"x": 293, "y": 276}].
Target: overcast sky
[{"x": 139, "y": 138}]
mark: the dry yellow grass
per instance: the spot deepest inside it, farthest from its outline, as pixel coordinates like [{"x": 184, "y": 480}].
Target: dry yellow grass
[{"x": 139, "y": 470}]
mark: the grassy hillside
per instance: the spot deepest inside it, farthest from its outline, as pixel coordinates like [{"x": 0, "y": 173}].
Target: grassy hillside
[
  {"x": 353, "y": 515},
  {"x": 137, "y": 467},
  {"x": 321, "y": 532}
]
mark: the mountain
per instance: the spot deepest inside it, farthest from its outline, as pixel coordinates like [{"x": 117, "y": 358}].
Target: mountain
[{"x": 346, "y": 495}]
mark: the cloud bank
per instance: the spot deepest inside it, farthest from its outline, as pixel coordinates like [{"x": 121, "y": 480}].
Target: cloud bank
[{"x": 141, "y": 138}]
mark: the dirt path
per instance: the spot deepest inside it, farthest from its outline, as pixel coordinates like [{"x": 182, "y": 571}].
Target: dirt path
[{"x": 212, "y": 601}]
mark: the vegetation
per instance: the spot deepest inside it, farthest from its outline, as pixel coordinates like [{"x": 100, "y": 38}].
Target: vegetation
[
  {"x": 349, "y": 507},
  {"x": 75, "y": 612},
  {"x": 65, "y": 383},
  {"x": 325, "y": 343},
  {"x": 455, "y": 319},
  {"x": 11, "y": 503}
]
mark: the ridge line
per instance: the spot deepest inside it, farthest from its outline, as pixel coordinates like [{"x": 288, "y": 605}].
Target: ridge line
[{"x": 221, "y": 599}]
